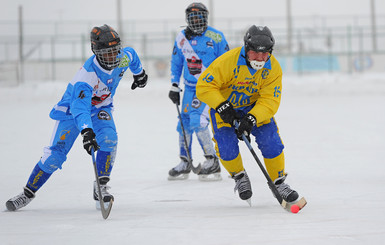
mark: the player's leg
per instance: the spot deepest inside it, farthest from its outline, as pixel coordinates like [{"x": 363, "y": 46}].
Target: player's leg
[
  {"x": 227, "y": 148},
  {"x": 63, "y": 137},
  {"x": 199, "y": 122},
  {"x": 182, "y": 170},
  {"x": 107, "y": 139},
  {"x": 271, "y": 145}
]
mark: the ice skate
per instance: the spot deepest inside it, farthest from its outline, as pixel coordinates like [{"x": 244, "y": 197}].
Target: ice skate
[
  {"x": 243, "y": 186},
  {"x": 107, "y": 197},
  {"x": 211, "y": 170},
  {"x": 181, "y": 171},
  {"x": 21, "y": 200},
  {"x": 288, "y": 194}
]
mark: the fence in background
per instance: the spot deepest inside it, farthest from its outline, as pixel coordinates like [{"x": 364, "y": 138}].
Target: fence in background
[{"x": 55, "y": 50}]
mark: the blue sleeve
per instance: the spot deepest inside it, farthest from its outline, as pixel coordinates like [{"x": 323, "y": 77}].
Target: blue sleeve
[
  {"x": 223, "y": 46},
  {"x": 177, "y": 60},
  {"x": 135, "y": 64},
  {"x": 81, "y": 105}
]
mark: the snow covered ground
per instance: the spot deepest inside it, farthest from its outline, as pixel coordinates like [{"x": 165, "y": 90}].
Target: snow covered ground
[{"x": 334, "y": 134}]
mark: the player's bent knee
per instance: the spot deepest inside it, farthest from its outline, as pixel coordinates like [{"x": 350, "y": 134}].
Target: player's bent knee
[{"x": 107, "y": 139}]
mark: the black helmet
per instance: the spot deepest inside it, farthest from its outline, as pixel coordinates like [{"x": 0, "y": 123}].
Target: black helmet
[
  {"x": 259, "y": 39},
  {"x": 106, "y": 45},
  {"x": 196, "y": 18}
]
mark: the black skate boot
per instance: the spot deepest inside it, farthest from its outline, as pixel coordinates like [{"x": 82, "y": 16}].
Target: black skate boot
[
  {"x": 21, "y": 200},
  {"x": 107, "y": 197},
  {"x": 284, "y": 190},
  {"x": 211, "y": 171},
  {"x": 243, "y": 185},
  {"x": 181, "y": 171}
]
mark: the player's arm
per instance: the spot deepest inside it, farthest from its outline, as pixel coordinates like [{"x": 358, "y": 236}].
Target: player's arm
[
  {"x": 81, "y": 105},
  {"x": 177, "y": 60},
  {"x": 270, "y": 98},
  {"x": 223, "y": 46},
  {"x": 209, "y": 85},
  {"x": 131, "y": 58}
]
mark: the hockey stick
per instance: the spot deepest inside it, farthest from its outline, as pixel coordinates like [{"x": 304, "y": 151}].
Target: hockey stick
[
  {"x": 197, "y": 169},
  {"x": 301, "y": 203},
  {"x": 105, "y": 212}
]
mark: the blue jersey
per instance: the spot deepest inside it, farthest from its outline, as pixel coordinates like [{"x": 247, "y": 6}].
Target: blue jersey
[
  {"x": 195, "y": 55},
  {"x": 92, "y": 88}
]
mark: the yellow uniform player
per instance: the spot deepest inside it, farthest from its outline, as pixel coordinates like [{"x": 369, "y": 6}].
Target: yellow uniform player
[{"x": 244, "y": 85}]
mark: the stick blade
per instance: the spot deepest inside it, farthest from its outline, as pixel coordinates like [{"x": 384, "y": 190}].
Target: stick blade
[
  {"x": 301, "y": 203},
  {"x": 106, "y": 211},
  {"x": 197, "y": 169}
]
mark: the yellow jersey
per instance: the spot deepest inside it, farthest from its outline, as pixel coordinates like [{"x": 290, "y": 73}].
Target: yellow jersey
[{"x": 229, "y": 78}]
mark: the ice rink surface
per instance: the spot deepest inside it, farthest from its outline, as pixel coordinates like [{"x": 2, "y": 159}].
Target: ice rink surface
[{"x": 334, "y": 135}]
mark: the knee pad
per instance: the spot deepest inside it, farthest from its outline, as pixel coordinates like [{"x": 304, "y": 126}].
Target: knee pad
[
  {"x": 226, "y": 143},
  {"x": 107, "y": 139},
  {"x": 198, "y": 122},
  {"x": 52, "y": 160},
  {"x": 204, "y": 138},
  {"x": 186, "y": 126}
]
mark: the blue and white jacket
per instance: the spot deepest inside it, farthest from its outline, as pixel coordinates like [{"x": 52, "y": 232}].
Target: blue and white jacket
[{"x": 92, "y": 88}]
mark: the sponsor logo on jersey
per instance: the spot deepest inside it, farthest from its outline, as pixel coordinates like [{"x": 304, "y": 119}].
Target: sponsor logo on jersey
[
  {"x": 99, "y": 99},
  {"x": 194, "y": 65},
  {"x": 182, "y": 42},
  {"x": 124, "y": 62},
  {"x": 210, "y": 44},
  {"x": 265, "y": 73},
  {"x": 215, "y": 36},
  {"x": 81, "y": 95},
  {"x": 195, "y": 103},
  {"x": 103, "y": 115},
  {"x": 109, "y": 81}
]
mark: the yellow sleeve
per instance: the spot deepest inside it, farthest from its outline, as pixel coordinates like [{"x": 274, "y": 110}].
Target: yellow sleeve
[
  {"x": 215, "y": 79},
  {"x": 270, "y": 96}
]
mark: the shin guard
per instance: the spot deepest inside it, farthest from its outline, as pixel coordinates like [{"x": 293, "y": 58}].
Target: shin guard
[{"x": 37, "y": 178}]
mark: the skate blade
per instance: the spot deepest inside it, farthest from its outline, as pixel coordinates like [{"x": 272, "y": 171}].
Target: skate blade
[
  {"x": 97, "y": 205},
  {"x": 179, "y": 177},
  {"x": 248, "y": 201},
  {"x": 210, "y": 177}
]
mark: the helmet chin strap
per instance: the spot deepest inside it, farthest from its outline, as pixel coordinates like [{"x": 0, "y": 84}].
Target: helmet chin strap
[{"x": 257, "y": 65}]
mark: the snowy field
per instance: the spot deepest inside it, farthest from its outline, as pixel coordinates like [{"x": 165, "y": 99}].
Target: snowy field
[{"x": 334, "y": 135}]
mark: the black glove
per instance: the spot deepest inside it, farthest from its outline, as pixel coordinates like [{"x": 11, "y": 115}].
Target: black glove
[
  {"x": 89, "y": 140},
  {"x": 139, "y": 80},
  {"x": 174, "y": 94},
  {"x": 227, "y": 112},
  {"x": 245, "y": 126}
]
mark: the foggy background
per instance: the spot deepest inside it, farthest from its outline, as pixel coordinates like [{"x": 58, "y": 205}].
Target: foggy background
[{"x": 49, "y": 40}]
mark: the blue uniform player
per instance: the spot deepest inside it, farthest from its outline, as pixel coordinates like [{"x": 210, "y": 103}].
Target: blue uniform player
[
  {"x": 194, "y": 50},
  {"x": 86, "y": 107}
]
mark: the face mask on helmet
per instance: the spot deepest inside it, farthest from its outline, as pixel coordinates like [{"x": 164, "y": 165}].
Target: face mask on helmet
[
  {"x": 257, "y": 59},
  {"x": 106, "y": 45},
  {"x": 196, "y": 18},
  {"x": 197, "y": 21},
  {"x": 109, "y": 58}
]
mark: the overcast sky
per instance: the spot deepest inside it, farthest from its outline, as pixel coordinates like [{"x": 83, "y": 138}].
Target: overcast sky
[{"x": 174, "y": 9}]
